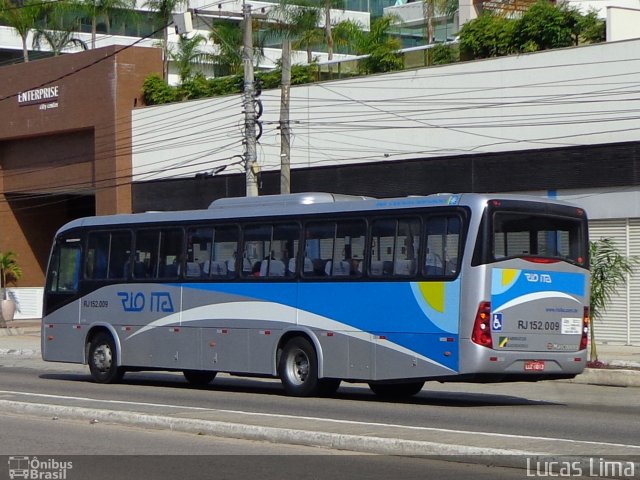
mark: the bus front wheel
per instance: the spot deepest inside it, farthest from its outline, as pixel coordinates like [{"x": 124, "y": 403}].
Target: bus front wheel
[
  {"x": 103, "y": 363},
  {"x": 396, "y": 390},
  {"x": 298, "y": 368}
]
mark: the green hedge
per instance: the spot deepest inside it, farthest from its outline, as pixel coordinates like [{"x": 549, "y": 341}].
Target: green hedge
[{"x": 156, "y": 91}]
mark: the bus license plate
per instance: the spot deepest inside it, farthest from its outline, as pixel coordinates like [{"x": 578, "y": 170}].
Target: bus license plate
[{"x": 534, "y": 366}]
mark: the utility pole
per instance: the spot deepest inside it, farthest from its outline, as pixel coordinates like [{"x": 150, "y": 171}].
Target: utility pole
[
  {"x": 251, "y": 166},
  {"x": 285, "y": 134}
]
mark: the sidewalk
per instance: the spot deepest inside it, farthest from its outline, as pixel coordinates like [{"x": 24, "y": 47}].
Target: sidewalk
[{"x": 622, "y": 362}]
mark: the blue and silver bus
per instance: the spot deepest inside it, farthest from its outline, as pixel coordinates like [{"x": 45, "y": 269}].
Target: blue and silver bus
[{"x": 318, "y": 288}]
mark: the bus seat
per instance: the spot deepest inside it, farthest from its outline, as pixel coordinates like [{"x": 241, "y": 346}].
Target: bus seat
[
  {"x": 342, "y": 268},
  {"x": 403, "y": 267},
  {"x": 276, "y": 268},
  {"x": 376, "y": 267},
  {"x": 318, "y": 267},
  {"x": 308, "y": 265},
  {"x": 215, "y": 268},
  {"x": 387, "y": 267},
  {"x": 327, "y": 267},
  {"x": 193, "y": 270},
  {"x": 169, "y": 271}
]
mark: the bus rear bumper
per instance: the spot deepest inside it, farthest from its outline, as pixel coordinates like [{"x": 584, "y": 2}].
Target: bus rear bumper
[{"x": 481, "y": 362}]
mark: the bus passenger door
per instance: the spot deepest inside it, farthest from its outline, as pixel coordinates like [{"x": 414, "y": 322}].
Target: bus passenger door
[{"x": 61, "y": 337}]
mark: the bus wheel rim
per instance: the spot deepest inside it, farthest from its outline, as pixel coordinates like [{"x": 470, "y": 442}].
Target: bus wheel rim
[
  {"x": 298, "y": 367},
  {"x": 102, "y": 358}
]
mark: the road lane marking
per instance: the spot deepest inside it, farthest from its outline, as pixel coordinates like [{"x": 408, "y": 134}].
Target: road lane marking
[{"x": 321, "y": 420}]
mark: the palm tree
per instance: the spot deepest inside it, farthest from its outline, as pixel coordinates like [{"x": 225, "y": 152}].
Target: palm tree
[
  {"x": 432, "y": 8},
  {"x": 609, "y": 270},
  {"x": 228, "y": 37},
  {"x": 381, "y": 48},
  {"x": 164, "y": 14},
  {"x": 327, "y": 6},
  {"x": 22, "y": 16},
  {"x": 104, "y": 9},
  {"x": 298, "y": 24},
  {"x": 57, "y": 28},
  {"x": 57, "y": 40},
  {"x": 10, "y": 271},
  {"x": 189, "y": 54},
  {"x": 307, "y": 40}
]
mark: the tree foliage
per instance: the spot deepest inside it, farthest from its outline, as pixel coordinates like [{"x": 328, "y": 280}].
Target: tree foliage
[
  {"x": 297, "y": 22},
  {"x": 543, "y": 26},
  {"x": 163, "y": 13},
  {"x": 156, "y": 91},
  {"x": 189, "y": 55},
  {"x": 442, "y": 54},
  {"x": 10, "y": 271},
  {"x": 105, "y": 10},
  {"x": 487, "y": 36},
  {"x": 609, "y": 271},
  {"x": 57, "y": 27},
  {"x": 22, "y": 16},
  {"x": 379, "y": 46}
]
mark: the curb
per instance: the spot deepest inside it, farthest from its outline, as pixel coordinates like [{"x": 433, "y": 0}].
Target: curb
[
  {"x": 19, "y": 352},
  {"x": 510, "y": 458},
  {"x": 337, "y": 441},
  {"x": 11, "y": 331},
  {"x": 608, "y": 377}
]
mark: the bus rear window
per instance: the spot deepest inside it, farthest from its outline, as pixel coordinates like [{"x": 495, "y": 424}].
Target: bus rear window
[{"x": 520, "y": 234}]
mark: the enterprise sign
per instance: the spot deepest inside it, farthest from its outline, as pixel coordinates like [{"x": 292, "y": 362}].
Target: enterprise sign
[{"x": 38, "y": 95}]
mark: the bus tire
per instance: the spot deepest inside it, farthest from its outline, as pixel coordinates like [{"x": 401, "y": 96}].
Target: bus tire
[
  {"x": 103, "y": 363},
  {"x": 298, "y": 368},
  {"x": 396, "y": 390},
  {"x": 199, "y": 377}
]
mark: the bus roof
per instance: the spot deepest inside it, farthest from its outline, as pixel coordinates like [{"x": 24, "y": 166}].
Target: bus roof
[{"x": 294, "y": 204}]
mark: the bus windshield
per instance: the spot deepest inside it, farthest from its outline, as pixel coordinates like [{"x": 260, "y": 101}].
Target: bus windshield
[{"x": 537, "y": 236}]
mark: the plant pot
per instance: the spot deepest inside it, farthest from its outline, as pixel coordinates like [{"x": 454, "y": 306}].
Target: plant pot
[{"x": 8, "y": 310}]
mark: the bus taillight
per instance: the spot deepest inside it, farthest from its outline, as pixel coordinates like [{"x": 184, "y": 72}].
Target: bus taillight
[
  {"x": 482, "y": 326},
  {"x": 584, "y": 339}
]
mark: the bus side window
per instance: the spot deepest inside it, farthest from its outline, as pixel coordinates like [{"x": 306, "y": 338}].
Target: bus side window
[
  {"x": 107, "y": 253},
  {"x": 442, "y": 234},
  {"x": 334, "y": 249},
  {"x": 394, "y": 247},
  {"x": 146, "y": 254}
]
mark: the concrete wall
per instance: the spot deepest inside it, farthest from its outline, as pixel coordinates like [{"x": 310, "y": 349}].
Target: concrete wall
[
  {"x": 561, "y": 98},
  {"x": 623, "y": 23}
]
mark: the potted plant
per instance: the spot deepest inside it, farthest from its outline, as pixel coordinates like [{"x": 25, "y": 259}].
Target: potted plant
[{"x": 9, "y": 272}]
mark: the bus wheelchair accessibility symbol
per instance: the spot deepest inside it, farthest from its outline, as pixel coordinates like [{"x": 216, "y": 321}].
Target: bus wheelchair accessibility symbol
[{"x": 496, "y": 322}]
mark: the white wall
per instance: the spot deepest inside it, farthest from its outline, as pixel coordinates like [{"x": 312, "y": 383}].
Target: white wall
[
  {"x": 567, "y": 97},
  {"x": 28, "y": 302},
  {"x": 601, "y": 6},
  {"x": 622, "y": 23}
]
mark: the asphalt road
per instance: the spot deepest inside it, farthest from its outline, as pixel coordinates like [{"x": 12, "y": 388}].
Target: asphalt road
[
  {"x": 596, "y": 419},
  {"x": 102, "y": 451}
]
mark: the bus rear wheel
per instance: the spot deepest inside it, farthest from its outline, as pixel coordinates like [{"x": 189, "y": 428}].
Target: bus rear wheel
[
  {"x": 103, "y": 363},
  {"x": 298, "y": 368},
  {"x": 199, "y": 377},
  {"x": 396, "y": 390}
]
